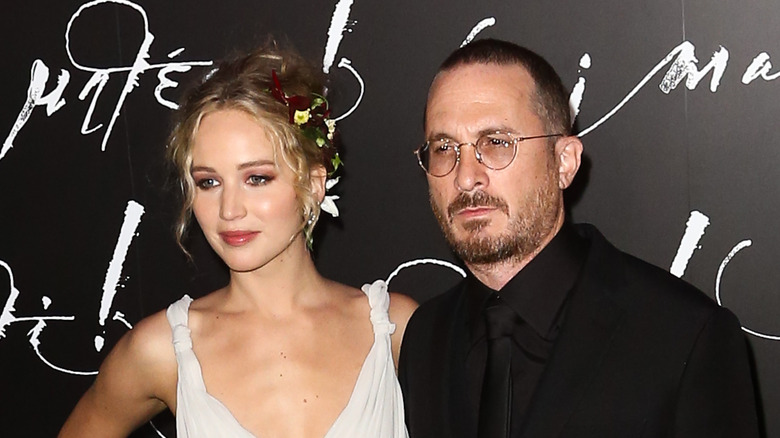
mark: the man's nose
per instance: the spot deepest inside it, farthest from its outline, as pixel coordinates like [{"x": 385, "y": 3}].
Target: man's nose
[{"x": 470, "y": 173}]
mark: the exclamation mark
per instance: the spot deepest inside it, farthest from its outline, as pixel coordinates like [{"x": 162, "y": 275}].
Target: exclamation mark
[
  {"x": 575, "y": 98},
  {"x": 133, "y": 213},
  {"x": 694, "y": 230}
]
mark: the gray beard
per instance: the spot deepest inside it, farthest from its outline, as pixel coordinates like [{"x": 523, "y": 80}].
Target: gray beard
[{"x": 526, "y": 230}]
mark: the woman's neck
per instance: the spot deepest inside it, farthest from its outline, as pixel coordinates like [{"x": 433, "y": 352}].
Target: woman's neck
[{"x": 286, "y": 283}]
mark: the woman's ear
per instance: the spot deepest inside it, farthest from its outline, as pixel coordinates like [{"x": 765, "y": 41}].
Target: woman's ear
[{"x": 318, "y": 176}]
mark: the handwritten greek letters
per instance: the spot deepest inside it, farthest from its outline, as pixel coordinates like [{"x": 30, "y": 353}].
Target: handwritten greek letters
[
  {"x": 683, "y": 65},
  {"x": 8, "y": 317},
  {"x": 759, "y": 68},
  {"x": 39, "y": 75},
  {"x": 99, "y": 79},
  {"x": 132, "y": 219}
]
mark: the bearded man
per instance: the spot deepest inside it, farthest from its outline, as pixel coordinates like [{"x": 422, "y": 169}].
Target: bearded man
[{"x": 555, "y": 332}]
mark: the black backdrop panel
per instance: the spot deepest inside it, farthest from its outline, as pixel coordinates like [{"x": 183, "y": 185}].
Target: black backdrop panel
[{"x": 676, "y": 106}]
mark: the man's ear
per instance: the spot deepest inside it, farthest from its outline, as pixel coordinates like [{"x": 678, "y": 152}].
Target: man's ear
[
  {"x": 318, "y": 175},
  {"x": 568, "y": 155}
]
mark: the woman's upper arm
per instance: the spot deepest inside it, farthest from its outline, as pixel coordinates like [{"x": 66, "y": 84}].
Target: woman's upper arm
[
  {"x": 129, "y": 390},
  {"x": 401, "y": 309}
]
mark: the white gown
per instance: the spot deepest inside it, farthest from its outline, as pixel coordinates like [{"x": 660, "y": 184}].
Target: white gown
[{"x": 375, "y": 408}]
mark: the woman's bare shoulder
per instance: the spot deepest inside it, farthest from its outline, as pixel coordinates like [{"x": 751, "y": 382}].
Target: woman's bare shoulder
[
  {"x": 136, "y": 381},
  {"x": 401, "y": 309},
  {"x": 150, "y": 341},
  {"x": 143, "y": 361}
]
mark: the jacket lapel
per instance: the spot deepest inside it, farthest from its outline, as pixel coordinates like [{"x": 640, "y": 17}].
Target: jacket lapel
[{"x": 593, "y": 317}]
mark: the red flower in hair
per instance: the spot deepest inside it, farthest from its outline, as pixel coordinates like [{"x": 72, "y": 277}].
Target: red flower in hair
[{"x": 310, "y": 114}]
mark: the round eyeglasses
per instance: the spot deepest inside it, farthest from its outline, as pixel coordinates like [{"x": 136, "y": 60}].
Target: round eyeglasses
[{"x": 495, "y": 150}]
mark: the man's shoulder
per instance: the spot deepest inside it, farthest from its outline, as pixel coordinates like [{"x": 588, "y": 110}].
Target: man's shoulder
[
  {"x": 436, "y": 314},
  {"x": 445, "y": 302},
  {"x": 640, "y": 283}
]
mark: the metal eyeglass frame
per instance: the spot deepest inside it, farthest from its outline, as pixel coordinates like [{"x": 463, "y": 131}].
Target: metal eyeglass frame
[{"x": 515, "y": 140}]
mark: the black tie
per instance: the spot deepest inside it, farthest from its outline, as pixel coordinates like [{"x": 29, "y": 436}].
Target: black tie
[{"x": 495, "y": 406}]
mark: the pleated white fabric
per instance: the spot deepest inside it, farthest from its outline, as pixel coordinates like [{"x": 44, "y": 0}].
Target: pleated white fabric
[{"x": 375, "y": 408}]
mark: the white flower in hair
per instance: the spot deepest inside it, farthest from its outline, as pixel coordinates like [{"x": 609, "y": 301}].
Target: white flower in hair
[
  {"x": 331, "y": 124},
  {"x": 328, "y": 204}
]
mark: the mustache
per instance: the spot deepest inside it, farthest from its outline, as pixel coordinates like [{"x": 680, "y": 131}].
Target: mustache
[{"x": 476, "y": 200}]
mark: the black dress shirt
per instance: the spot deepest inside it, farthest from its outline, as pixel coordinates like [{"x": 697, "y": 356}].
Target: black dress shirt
[{"x": 538, "y": 294}]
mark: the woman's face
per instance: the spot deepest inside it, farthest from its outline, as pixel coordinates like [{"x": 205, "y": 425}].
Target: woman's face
[{"x": 244, "y": 201}]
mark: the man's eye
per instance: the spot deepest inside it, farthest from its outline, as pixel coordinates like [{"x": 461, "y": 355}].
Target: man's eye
[
  {"x": 206, "y": 183},
  {"x": 441, "y": 148},
  {"x": 497, "y": 142}
]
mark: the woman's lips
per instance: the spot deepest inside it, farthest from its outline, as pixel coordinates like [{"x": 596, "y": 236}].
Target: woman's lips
[{"x": 238, "y": 238}]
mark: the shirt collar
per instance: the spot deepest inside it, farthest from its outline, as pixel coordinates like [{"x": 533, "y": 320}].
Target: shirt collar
[{"x": 537, "y": 293}]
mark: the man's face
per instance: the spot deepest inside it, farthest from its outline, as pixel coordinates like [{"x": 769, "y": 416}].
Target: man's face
[{"x": 490, "y": 216}]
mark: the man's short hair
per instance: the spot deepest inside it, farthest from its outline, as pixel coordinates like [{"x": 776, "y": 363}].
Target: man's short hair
[{"x": 550, "y": 101}]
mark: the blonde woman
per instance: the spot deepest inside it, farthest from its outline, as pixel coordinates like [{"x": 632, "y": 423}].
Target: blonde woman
[{"x": 280, "y": 351}]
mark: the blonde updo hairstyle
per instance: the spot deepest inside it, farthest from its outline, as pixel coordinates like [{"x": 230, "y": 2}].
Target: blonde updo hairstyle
[{"x": 243, "y": 83}]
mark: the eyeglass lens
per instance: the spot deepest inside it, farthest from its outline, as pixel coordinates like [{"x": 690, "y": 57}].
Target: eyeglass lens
[{"x": 439, "y": 157}]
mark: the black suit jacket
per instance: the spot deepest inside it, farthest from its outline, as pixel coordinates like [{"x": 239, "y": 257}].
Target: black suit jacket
[{"x": 640, "y": 354}]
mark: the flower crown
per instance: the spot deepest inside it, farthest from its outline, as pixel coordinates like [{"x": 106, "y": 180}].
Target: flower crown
[{"x": 311, "y": 116}]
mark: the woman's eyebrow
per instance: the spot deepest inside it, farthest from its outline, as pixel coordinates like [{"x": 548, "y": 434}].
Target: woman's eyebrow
[{"x": 255, "y": 163}]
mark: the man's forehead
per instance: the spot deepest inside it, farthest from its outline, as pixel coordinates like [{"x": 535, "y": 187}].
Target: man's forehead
[
  {"x": 477, "y": 71},
  {"x": 480, "y": 82},
  {"x": 480, "y": 90}
]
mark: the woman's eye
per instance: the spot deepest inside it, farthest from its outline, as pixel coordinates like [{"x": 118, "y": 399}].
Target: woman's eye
[
  {"x": 259, "y": 180},
  {"x": 206, "y": 183}
]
